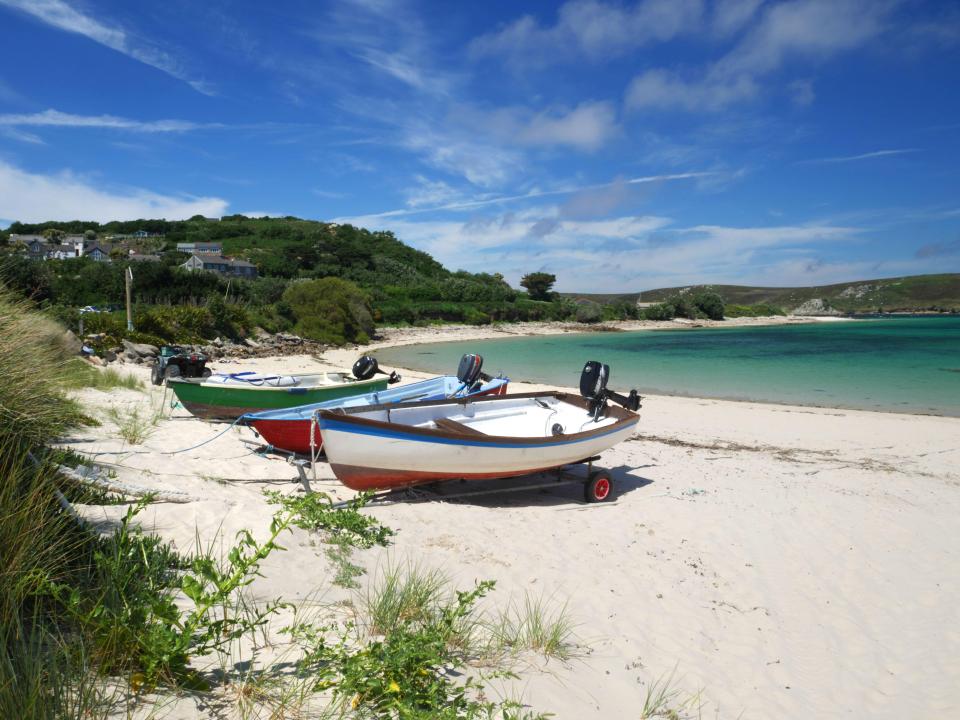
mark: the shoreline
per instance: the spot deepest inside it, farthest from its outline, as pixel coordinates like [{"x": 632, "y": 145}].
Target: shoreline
[
  {"x": 343, "y": 357},
  {"x": 416, "y": 335}
]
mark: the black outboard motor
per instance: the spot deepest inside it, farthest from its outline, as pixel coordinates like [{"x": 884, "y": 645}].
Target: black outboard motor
[
  {"x": 366, "y": 367},
  {"x": 469, "y": 373},
  {"x": 593, "y": 387}
]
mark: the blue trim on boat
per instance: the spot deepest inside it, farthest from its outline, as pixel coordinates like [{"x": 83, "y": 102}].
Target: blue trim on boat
[
  {"x": 438, "y": 388},
  {"x": 340, "y": 426}
]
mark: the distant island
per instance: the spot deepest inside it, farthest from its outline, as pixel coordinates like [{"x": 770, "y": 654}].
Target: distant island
[{"x": 908, "y": 294}]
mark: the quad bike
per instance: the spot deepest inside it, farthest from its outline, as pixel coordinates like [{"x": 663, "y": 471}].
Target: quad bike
[{"x": 173, "y": 362}]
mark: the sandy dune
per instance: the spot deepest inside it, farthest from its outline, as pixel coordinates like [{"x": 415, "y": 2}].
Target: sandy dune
[{"x": 788, "y": 562}]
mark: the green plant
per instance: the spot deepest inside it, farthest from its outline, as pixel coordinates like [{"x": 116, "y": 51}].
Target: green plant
[
  {"x": 664, "y": 701},
  {"x": 78, "y": 374},
  {"x": 330, "y": 310},
  {"x": 710, "y": 304},
  {"x": 132, "y": 614},
  {"x": 133, "y": 424},
  {"x": 316, "y": 511},
  {"x": 402, "y": 595},
  {"x": 533, "y": 627},
  {"x": 408, "y": 670}
]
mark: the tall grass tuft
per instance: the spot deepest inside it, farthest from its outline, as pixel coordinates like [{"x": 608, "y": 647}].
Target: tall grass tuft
[
  {"x": 533, "y": 626},
  {"x": 42, "y": 674},
  {"x": 402, "y": 595},
  {"x": 33, "y": 408},
  {"x": 77, "y": 373}
]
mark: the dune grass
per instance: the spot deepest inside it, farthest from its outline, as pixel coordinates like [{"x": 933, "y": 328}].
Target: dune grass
[
  {"x": 94, "y": 625},
  {"x": 533, "y": 626},
  {"x": 135, "y": 424},
  {"x": 77, "y": 373}
]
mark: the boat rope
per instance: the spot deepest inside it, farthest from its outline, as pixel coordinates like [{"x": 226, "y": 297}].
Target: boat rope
[{"x": 201, "y": 444}]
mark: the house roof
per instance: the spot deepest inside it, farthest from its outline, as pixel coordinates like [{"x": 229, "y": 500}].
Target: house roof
[{"x": 217, "y": 259}]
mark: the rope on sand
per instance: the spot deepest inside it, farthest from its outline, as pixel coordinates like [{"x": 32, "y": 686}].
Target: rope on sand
[{"x": 89, "y": 476}]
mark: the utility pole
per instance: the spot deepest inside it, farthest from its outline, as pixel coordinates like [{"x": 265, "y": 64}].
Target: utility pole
[{"x": 129, "y": 284}]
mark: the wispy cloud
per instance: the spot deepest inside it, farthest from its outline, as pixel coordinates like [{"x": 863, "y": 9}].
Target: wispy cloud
[
  {"x": 21, "y": 136},
  {"x": 63, "y": 16},
  {"x": 805, "y": 29},
  {"x": 55, "y": 118},
  {"x": 533, "y": 194},
  {"x": 862, "y": 156},
  {"x": 32, "y": 197},
  {"x": 946, "y": 248},
  {"x": 589, "y": 29},
  {"x": 618, "y": 254}
]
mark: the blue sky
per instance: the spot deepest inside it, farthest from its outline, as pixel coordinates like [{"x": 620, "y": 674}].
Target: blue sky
[{"x": 620, "y": 145}]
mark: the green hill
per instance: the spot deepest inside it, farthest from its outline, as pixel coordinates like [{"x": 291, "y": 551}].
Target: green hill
[{"x": 913, "y": 293}]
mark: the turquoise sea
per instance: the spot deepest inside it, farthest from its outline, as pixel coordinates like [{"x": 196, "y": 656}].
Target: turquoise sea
[{"x": 902, "y": 364}]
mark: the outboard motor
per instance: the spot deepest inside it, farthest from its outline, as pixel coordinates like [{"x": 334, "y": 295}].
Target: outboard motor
[
  {"x": 593, "y": 387},
  {"x": 469, "y": 373},
  {"x": 366, "y": 367}
]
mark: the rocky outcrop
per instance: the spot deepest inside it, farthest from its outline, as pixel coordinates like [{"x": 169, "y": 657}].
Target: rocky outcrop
[
  {"x": 142, "y": 350},
  {"x": 815, "y": 307}
]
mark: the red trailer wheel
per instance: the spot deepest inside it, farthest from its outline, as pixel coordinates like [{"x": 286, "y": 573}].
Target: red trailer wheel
[{"x": 599, "y": 487}]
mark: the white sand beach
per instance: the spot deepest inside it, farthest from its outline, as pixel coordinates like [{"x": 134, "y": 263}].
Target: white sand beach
[{"x": 782, "y": 561}]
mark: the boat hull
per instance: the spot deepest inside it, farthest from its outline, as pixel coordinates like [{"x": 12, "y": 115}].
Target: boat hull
[
  {"x": 377, "y": 456},
  {"x": 222, "y": 402},
  {"x": 293, "y": 435}
]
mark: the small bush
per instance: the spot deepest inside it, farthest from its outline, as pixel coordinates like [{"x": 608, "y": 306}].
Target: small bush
[
  {"x": 330, "y": 310},
  {"x": 759, "y": 310},
  {"x": 589, "y": 312},
  {"x": 710, "y": 304},
  {"x": 660, "y": 311}
]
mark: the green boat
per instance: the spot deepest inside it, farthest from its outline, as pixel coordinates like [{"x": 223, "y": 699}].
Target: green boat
[{"x": 227, "y": 397}]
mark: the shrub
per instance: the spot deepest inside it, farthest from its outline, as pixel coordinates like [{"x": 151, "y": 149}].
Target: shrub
[
  {"x": 759, "y": 310},
  {"x": 710, "y": 304},
  {"x": 330, "y": 310},
  {"x": 589, "y": 312},
  {"x": 660, "y": 311},
  {"x": 180, "y": 323}
]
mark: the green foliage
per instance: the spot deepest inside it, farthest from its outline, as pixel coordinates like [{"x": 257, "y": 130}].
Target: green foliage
[
  {"x": 409, "y": 670},
  {"x": 759, "y": 310},
  {"x": 330, "y": 310},
  {"x": 533, "y": 626},
  {"x": 704, "y": 304},
  {"x": 660, "y": 311},
  {"x": 128, "y": 606},
  {"x": 709, "y": 304},
  {"x": 589, "y": 312},
  {"x": 538, "y": 284},
  {"x": 33, "y": 408},
  {"x": 78, "y": 373},
  {"x": 315, "y": 511}
]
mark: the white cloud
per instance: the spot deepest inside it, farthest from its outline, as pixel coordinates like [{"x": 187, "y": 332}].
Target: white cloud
[
  {"x": 802, "y": 93},
  {"x": 430, "y": 192},
  {"x": 729, "y": 16},
  {"x": 862, "y": 156},
  {"x": 665, "y": 89},
  {"x": 55, "y": 118},
  {"x": 22, "y": 136},
  {"x": 807, "y": 30},
  {"x": 589, "y": 29},
  {"x": 59, "y": 14},
  {"x": 483, "y": 164},
  {"x": 473, "y": 204},
  {"x": 31, "y": 197},
  {"x": 588, "y": 126},
  {"x": 618, "y": 254}
]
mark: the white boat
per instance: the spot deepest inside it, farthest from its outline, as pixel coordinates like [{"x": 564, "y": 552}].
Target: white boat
[{"x": 389, "y": 446}]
